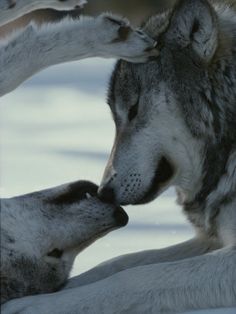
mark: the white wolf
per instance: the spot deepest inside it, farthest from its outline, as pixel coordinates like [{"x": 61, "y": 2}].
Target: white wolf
[
  {"x": 42, "y": 232},
  {"x": 176, "y": 125},
  {"x": 34, "y": 48}
]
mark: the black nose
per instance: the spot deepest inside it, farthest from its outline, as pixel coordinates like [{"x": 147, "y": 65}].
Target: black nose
[
  {"x": 121, "y": 217},
  {"x": 107, "y": 195}
]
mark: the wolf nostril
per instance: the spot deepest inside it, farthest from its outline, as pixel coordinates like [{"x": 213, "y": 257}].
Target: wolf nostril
[{"x": 107, "y": 195}]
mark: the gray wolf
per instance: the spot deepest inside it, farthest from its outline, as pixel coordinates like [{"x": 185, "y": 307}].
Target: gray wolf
[
  {"x": 33, "y": 48},
  {"x": 175, "y": 120},
  {"x": 42, "y": 233}
]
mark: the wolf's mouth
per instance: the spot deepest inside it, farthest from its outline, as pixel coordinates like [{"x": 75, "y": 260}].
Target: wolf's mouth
[{"x": 164, "y": 172}]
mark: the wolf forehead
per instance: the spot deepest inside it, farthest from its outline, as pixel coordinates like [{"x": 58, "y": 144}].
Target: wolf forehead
[
  {"x": 183, "y": 23},
  {"x": 128, "y": 75},
  {"x": 195, "y": 82}
]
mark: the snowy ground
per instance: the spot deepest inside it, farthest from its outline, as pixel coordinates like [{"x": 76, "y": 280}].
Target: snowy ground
[{"x": 57, "y": 128}]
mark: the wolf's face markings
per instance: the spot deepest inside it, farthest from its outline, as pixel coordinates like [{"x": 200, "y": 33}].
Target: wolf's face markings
[
  {"x": 149, "y": 128},
  {"x": 168, "y": 112}
]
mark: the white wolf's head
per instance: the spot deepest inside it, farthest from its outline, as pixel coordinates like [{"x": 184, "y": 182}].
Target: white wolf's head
[
  {"x": 168, "y": 112},
  {"x": 42, "y": 232}
]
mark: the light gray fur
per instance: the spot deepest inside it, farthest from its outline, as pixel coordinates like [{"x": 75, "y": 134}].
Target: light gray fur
[
  {"x": 34, "y": 48},
  {"x": 66, "y": 218},
  {"x": 186, "y": 112}
]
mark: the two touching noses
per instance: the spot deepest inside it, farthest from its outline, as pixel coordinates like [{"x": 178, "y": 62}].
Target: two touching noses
[{"x": 107, "y": 187}]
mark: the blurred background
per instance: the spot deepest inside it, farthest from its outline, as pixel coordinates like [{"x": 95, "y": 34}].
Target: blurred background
[{"x": 57, "y": 128}]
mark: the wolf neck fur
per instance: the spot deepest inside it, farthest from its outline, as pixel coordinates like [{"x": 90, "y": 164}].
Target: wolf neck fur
[{"x": 220, "y": 155}]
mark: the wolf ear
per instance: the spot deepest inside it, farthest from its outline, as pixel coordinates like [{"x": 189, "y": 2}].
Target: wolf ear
[{"x": 194, "y": 24}]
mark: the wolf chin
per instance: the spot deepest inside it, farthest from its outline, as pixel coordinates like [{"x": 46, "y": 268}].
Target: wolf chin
[{"x": 175, "y": 120}]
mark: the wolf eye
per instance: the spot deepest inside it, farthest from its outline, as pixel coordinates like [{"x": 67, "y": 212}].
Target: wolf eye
[
  {"x": 133, "y": 112},
  {"x": 56, "y": 253}
]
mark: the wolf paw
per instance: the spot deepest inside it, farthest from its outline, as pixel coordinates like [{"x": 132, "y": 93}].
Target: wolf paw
[{"x": 121, "y": 40}]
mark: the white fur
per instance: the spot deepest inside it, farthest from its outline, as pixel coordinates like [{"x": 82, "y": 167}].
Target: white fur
[
  {"x": 64, "y": 219},
  {"x": 136, "y": 290},
  {"x": 34, "y": 48}
]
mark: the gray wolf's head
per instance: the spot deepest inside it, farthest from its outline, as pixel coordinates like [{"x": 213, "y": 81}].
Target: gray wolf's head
[
  {"x": 42, "y": 232},
  {"x": 170, "y": 114}
]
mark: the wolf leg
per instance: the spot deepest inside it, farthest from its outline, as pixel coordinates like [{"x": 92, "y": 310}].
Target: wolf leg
[
  {"x": 191, "y": 248},
  {"x": 202, "y": 282},
  {"x": 35, "y": 48},
  {"x": 10, "y": 10}
]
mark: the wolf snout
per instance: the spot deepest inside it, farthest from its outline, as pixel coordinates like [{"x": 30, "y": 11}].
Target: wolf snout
[
  {"x": 122, "y": 190},
  {"x": 106, "y": 196}
]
